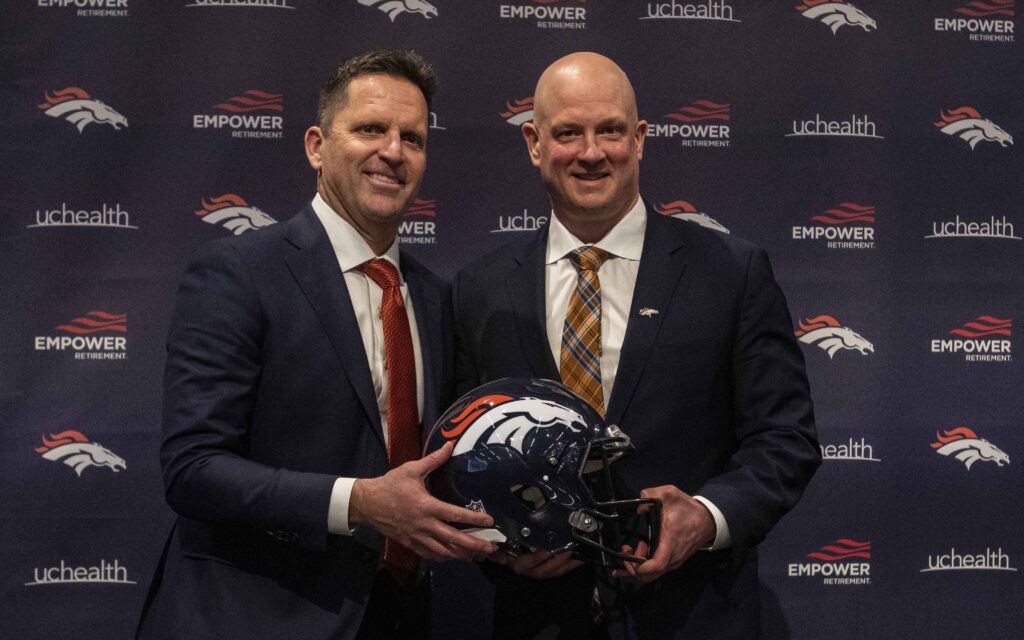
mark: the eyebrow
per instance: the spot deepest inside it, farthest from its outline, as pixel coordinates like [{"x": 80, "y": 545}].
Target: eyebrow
[{"x": 613, "y": 121}]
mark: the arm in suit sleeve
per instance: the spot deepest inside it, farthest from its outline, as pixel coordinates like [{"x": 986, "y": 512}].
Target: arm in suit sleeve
[
  {"x": 211, "y": 380},
  {"x": 777, "y": 449}
]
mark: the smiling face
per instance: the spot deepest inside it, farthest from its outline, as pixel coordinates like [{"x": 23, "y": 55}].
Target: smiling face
[
  {"x": 587, "y": 142},
  {"x": 370, "y": 163}
]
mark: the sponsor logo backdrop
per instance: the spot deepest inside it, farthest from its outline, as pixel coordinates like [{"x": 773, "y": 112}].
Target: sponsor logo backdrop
[{"x": 875, "y": 151}]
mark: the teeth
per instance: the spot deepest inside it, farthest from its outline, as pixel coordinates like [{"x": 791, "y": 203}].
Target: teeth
[{"x": 383, "y": 178}]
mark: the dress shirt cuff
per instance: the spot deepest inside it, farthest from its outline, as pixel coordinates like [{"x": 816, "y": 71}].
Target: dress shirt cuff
[
  {"x": 337, "y": 510},
  {"x": 723, "y": 539}
]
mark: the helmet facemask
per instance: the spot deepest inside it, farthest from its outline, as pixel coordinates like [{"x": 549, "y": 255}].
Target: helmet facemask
[{"x": 600, "y": 532}]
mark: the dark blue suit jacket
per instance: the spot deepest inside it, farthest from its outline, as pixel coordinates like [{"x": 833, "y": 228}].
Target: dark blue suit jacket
[
  {"x": 711, "y": 389},
  {"x": 267, "y": 400}
]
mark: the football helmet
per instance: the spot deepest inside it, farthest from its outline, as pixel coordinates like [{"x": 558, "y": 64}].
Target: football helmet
[{"x": 537, "y": 458}]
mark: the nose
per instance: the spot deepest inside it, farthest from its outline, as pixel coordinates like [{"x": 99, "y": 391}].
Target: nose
[
  {"x": 591, "y": 153},
  {"x": 391, "y": 149}
]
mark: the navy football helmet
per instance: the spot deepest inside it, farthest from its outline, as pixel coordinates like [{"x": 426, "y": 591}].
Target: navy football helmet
[{"x": 537, "y": 458}]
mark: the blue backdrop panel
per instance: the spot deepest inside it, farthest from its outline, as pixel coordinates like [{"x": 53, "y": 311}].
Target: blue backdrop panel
[{"x": 870, "y": 149}]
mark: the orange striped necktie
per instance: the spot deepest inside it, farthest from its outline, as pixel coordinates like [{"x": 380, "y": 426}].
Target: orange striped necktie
[{"x": 580, "y": 362}]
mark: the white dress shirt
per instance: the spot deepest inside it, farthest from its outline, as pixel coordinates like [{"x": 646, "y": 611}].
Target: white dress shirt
[
  {"x": 624, "y": 244},
  {"x": 352, "y": 251}
]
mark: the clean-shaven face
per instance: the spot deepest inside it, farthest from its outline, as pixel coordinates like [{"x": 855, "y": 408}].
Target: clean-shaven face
[
  {"x": 373, "y": 157},
  {"x": 586, "y": 139}
]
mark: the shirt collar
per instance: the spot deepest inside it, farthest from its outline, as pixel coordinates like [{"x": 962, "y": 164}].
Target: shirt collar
[
  {"x": 625, "y": 240},
  {"x": 350, "y": 248}
]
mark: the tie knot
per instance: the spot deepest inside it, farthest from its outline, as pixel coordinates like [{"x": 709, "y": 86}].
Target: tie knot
[
  {"x": 382, "y": 272},
  {"x": 588, "y": 258}
]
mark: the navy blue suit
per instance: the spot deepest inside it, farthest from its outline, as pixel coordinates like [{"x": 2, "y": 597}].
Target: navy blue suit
[
  {"x": 710, "y": 387},
  {"x": 267, "y": 399}
]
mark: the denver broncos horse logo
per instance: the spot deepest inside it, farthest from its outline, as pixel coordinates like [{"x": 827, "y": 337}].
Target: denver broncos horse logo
[
  {"x": 74, "y": 105},
  {"x": 519, "y": 111},
  {"x": 395, "y": 7},
  {"x": 965, "y": 445},
  {"x": 826, "y": 332},
  {"x": 234, "y": 214},
  {"x": 506, "y": 421},
  {"x": 967, "y": 124},
  {"x": 74, "y": 449},
  {"x": 835, "y": 13},
  {"x": 683, "y": 210}
]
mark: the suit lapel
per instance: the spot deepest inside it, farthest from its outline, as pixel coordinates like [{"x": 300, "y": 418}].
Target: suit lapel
[
  {"x": 315, "y": 267},
  {"x": 525, "y": 283},
  {"x": 426, "y": 303},
  {"x": 662, "y": 264}
]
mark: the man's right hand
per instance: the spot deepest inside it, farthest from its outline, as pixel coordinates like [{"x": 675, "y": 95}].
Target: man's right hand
[{"x": 398, "y": 506}]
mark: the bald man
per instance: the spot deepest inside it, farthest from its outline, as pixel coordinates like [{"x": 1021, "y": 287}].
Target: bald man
[{"x": 695, "y": 360}]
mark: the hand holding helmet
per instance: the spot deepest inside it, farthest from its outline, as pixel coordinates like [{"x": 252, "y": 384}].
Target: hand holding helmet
[
  {"x": 686, "y": 526},
  {"x": 397, "y": 506}
]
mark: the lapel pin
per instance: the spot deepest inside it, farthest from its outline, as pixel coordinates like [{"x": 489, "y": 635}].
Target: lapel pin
[{"x": 648, "y": 312}]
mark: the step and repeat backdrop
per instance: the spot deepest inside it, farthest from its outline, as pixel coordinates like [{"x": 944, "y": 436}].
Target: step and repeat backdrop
[{"x": 874, "y": 150}]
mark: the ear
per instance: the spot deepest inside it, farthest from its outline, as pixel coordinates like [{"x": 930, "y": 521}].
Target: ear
[
  {"x": 314, "y": 140},
  {"x": 641, "y": 135},
  {"x": 532, "y": 137}
]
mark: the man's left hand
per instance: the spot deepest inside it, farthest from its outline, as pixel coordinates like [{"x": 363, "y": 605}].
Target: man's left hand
[{"x": 686, "y": 526}]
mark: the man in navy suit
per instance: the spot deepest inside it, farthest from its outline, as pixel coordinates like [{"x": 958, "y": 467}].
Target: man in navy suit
[
  {"x": 696, "y": 362},
  {"x": 282, "y": 404}
]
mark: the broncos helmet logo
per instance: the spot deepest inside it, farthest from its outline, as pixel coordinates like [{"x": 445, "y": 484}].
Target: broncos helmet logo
[
  {"x": 395, "y": 7},
  {"x": 965, "y": 445},
  {"x": 74, "y": 105},
  {"x": 74, "y": 449},
  {"x": 506, "y": 421},
  {"x": 683, "y": 210},
  {"x": 835, "y": 13},
  {"x": 234, "y": 214},
  {"x": 826, "y": 332},
  {"x": 967, "y": 124}
]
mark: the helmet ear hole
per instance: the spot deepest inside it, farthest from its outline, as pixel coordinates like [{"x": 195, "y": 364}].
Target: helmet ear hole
[{"x": 531, "y": 497}]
